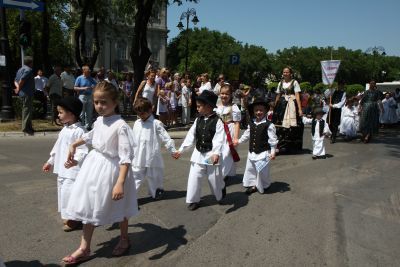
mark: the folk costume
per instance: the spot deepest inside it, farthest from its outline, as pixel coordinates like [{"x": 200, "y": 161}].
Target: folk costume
[
  {"x": 262, "y": 142},
  {"x": 369, "y": 117},
  {"x": 148, "y": 162},
  {"x": 348, "y": 123},
  {"x": 388, "y": 115},
  {"x": 58, "y": 155},
  {"x": 319, "y": 129},
  {"x": 338, "y": 99},
  {"x": 90, "y": 200},
  {"x": 229, "y": 116},
  {"x": 207, "y": 135}
]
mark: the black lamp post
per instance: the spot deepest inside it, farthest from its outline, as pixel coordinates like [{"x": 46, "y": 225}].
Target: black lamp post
[
  {"x": 7, "y": 112},
  {"x": 189, "y": 13},
  {"x": 375, "y": 51}
]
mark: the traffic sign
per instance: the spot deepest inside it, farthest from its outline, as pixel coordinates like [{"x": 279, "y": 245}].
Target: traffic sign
[
  {"x": 21, "y": 4},
  {"x": 234, "y": 59}
]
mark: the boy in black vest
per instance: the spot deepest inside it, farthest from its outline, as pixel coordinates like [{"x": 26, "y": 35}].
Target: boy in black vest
[
  {"x": 262, "y": 136},
  {"x": 319, "y": 129},
  {"x": 207, "y": 134}
]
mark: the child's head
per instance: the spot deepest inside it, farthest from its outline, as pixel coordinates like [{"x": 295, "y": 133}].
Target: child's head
[
  {"x": 258, "y": 109},
  {"x": 169, "y": 86},
  {"x": 162, "y": 93},
  {"x": 350, "y": 102},
  {"x": 226, "y": 94},
  {"x": 318, "y": 113},
  {"x": 105, "y": 99},
  {"x": 206, "y": 102},
  {"x": 143, "y": 108},
  {"x": 69, "y": 109},
  {"x": 387, "y": 95}
]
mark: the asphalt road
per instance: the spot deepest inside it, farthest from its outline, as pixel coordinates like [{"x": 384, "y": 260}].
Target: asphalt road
[{"x": 341, "y": 211}]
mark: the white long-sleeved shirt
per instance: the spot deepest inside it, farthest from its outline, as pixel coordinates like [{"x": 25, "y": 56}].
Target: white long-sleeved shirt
[
  {"x": 272, "y": 141},
  {"x": 147, "y": 138},
  {"x": 59, "y": 153},
  {"x": 217, "y": 142},
  {"x": 317, "y": 136},
  {"x": 341, "y": 103}
]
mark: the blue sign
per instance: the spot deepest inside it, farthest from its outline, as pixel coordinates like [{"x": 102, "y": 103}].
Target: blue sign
[
  {"x": 21, "y": 4},
  {"x": 234, "y": 59}
]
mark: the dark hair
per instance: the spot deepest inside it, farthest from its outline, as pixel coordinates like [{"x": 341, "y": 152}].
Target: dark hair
[
  {"x": 111, "y": 90},
  {"x": 142, "y": 105}
]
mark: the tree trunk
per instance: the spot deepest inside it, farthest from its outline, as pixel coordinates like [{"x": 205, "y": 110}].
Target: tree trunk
[
  {"x": 45, "y": 40},
  {"x": 140, "y": 53},
  {"x": 80, "y": 35},
  {"x": 96, "y": 42}
]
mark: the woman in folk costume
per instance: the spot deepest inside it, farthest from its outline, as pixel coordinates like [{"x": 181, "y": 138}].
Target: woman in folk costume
[
  {"x": 369, "y": 108},
  {"x": 319, "y": 129},
  {"x": 231, "y": 117},
  {"x": 348, "y": 124},
  {"x": 262, "y": 138},
  {"x": 288, "y": 100}
]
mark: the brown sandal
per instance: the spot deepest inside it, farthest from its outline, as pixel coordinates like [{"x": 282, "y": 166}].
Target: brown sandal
[
  {"x": 70, "y": 260},
  {"x": 119, "y": 250}
]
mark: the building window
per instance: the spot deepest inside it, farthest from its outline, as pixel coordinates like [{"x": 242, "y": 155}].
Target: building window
[{"x": 121, "y": 47}]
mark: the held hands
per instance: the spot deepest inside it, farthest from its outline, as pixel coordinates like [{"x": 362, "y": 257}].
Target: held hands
[
  {"x": 272, "y": 156},
  {"x": 176, "y": 155},
  {"x": 46, "y": 167},
  {"x": 118, "y": 191},
  {"x": 235, "y": 142},
  {"x": 215, "y": 159},
  {"x": 70, "y": 163}
]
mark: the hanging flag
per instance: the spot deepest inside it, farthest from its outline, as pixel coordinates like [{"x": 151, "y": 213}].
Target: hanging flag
[{"x": 329, "y": 69}]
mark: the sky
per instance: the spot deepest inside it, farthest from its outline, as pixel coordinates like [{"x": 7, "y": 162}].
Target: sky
[{"x": 279, "y": 24}]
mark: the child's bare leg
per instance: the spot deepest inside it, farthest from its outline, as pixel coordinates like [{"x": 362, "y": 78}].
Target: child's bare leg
[
  {"x": 86, "y": 239},
  {"x": 123, "y": 244}
]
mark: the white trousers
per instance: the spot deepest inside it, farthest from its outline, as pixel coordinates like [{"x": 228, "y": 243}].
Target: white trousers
[
  {"x": 64, "y": 186},
  {"x": 196, "y": 174},
  {"x": 155, "y": 177},
  {"x": 186, "y": 115},
  {"x": 318, "y": 148},
  {"x": 252, "y": 177}
]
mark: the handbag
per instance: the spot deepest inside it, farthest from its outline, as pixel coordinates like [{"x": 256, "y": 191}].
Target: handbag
[{"x": 234, "y": 153}]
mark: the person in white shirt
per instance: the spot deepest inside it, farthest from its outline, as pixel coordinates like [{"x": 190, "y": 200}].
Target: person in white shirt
[
  {"x": 186, "y": 101},
  {"x": 205, "y": 83},
  {"x": 207, "y": 135},
  {"x": 111, "y": 79},
  {"x": 148, "y": 134},
  {"x": 262, "y": 138},
  {"x": 217, "y": 87},
  {"x": 69, "y": 110},
  {"x": 348, "y": 124},
  {"x": 68, "y": 79},
  {"x": 40, "y": 92},
  {"x": 319, "y": 129}
]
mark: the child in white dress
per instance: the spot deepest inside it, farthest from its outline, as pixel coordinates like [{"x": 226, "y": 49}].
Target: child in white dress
[
  {"x": 319, "y": 129},
  {"x": 388, "y": 116},
  {"x": 104, "y": 191},
  {"x": 207, "y": 134},
  {"x": 162, "y": 107},
  {"x": 348, "y": 126},
  {"x": 69, "y": 110},
  {"x": 231, "y": 117},
  {"x": 148, "y": 134},
  {"x": 263, "y": 140}
]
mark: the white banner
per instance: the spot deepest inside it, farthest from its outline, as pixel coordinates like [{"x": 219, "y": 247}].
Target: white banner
[{"x": 329, "y": 69}]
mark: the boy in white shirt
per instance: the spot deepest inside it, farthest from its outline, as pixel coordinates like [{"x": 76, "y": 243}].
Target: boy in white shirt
[
  {"x": 148, "y": 134},
  {"x": 207, "y": 134}
]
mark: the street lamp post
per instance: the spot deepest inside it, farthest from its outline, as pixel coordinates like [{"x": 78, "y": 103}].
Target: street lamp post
[
  {"x": 189, "y": 13},
  {"x": 375, "y": 51}
]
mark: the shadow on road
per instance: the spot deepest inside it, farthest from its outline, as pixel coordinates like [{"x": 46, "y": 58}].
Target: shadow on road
[
  {"x": 171, "y": 194},
  {"x": 36, "y": 263},
  {"x": 390, "y": 138},
  {"x": 152, "y": 237}
]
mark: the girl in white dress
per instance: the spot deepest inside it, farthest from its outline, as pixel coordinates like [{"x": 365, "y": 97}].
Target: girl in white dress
[
  {"x": 162, "y": 107},
  {"x": 231, "y": 117},
  {"x": 104, "y": 191},
  {"x": 348, "y": 126},
  {"x": 69, "y": 109},
  {"x": 388, "y": 116}
]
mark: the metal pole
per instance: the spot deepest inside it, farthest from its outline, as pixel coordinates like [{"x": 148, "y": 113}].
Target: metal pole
[
  {"x": 7, "y": 112},
  {"x": 187, "y": 41},
  {"x": 22, "y": 18}
]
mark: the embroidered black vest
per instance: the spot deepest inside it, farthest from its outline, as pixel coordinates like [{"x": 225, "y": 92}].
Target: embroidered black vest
[
  {"x": 259, "y": 137},
  {"x": 205, "y": 131},
  {"x": 321, "y": 127},
  {"x": 337, "y": 96},
  {"x": 287, "y": 91}
]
